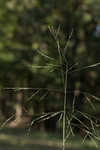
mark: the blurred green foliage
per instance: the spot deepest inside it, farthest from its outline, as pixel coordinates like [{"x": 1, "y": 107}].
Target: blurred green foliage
[
  {"x": 24, "y": 33},
  {"x": 18, "y": 139}
]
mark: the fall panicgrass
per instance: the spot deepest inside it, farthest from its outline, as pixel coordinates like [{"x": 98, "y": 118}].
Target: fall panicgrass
[{"x": 66, "y": 116}]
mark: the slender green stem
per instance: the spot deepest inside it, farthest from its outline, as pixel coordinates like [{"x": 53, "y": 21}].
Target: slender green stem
[{"x": 65, "y": 103}]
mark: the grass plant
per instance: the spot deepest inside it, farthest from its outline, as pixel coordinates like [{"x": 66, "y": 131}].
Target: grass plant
[{"x": 65, "y": 116}]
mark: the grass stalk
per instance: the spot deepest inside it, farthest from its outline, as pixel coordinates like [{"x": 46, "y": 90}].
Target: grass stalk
[{"x": 65, "y": 104}]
